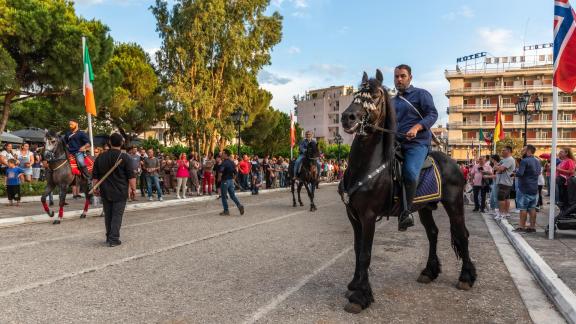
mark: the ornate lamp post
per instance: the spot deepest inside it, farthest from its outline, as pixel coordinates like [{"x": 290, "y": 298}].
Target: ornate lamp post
[
  {"x": 522, "y": 108},
  {"x": 238, "y": 116},
  {"x": 338, "y": 140}
]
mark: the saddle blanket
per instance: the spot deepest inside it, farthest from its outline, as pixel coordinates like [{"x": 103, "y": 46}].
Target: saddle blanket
[
  {"x": 430, "y": 185},
  {"x": 87, "y": 159}
]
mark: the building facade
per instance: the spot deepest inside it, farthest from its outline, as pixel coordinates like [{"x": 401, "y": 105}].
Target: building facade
[
  {"x": 475, "y": 94},
  {"x": 319, "y": 111}
]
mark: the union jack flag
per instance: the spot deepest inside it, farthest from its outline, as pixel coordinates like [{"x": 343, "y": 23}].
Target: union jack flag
[{"x": 564, "y": 46}]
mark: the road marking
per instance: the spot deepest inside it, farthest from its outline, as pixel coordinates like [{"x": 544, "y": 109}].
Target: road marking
[
  {"x": 50, "y": 281},
  {"x": 539, "y": 307},
  {"x": 38, "y": 242},
  {"x": 263, "y": 311}
]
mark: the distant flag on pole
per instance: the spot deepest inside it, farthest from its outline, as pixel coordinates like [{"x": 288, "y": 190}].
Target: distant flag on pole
[
  {"x": 499, "y": 127},
  {"x": 564, "y": 46},
  {"x": 292, "y": 131},
  {"x": 89, "y": 101}
]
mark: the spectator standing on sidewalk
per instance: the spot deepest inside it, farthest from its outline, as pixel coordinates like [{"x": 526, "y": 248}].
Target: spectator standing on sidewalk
[
  {"x": 143, "y": 185},
  {"x": 207, "y": 179},
  {"x": 151, "y": 166},
  {"x": 527, "y": 177},
  {"x": 255, "y": 174},
  {"x": 541, "y": 183},
  {"x": 26, "y": 159},
  {"x": 182, "y": 175},
  {"x": 114, "y": 189},
  {"x": 14, "y": 175},
  {"x": 226, "y": 176},
  {"x": 494, "y": 160},
  {"x": 504, "y": 171},
  {"x": 480, "y": 184},
  {"x": 194, "y": 169},
  {"x": 564, "y": 171},
  {"x": 244, "y": 172},
  {"x": 6, "y": 154},
  {"x": 36, "y": 167},
  {"x": 135, "y": 165}
]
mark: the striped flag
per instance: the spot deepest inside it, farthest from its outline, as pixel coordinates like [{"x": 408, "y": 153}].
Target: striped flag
[
  {"x": 89, "y": 101},
  {"x": 292, "y": 131},
  {"x": 564, "y": 46},
  {"x": 499, "y": 127}
]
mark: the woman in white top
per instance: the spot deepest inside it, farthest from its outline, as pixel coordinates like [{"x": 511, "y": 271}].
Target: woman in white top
[{"x": 26, "y": 159}]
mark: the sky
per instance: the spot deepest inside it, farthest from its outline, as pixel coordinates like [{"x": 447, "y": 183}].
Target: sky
[{"x": 331, "y": 42}]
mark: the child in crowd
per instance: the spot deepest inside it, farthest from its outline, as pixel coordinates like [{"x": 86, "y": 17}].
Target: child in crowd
[{"x": 14, "y": 175}]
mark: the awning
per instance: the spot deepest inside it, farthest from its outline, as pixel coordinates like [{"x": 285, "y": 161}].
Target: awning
[
  {"x": 10, "y": 138},
  {"x": 31, "y": 134}
]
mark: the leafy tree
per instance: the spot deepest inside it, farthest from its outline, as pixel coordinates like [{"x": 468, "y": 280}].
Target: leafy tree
[
  {"x": 270, "y": 133},
  {"x": 40, "y": 55},
  {"x": 135, "y": 102},
  {"x": 212, "y": 51},
  {"x": 516, "y": 143}
]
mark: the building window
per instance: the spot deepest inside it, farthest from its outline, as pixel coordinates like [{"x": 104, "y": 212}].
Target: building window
[
  {"x": 566, "y": 99},
  {"x": 567, "y": 117},
  {"x": 465, "y": 101},
  {"x": 485, "y": 101},
  {"x": 506, "y": 100}
]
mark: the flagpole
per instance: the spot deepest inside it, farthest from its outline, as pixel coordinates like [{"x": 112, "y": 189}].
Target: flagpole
[
  {"x": 552, "y": 211},
  {"x": 87, "y": 113}
]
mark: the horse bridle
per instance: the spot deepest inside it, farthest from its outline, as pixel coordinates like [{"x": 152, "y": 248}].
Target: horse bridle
[
  {"x": 50, "y": 158},
  {"x": 364, "y": 98}
]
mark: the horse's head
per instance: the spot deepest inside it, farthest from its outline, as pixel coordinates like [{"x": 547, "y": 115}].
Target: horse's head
[
  {"x": 51, "y": 141},
  {"x": 369, "y": 106}
]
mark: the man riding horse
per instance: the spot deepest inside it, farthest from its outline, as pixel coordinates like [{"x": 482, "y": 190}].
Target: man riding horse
[
  {"x": 302, "y": 146},
  {"x": 416, "y": 114},
  {"x": 77, "y": 142}
]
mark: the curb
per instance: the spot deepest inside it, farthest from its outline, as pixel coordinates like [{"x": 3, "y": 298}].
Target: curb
[
  {"x": 555, "y": 288},
  {"x": 93, "y": 212},
  {"x": 27, "y": 199}
]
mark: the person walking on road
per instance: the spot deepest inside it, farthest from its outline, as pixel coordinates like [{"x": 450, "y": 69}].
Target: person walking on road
[
  {"x": 226, "y": 175},
  {"x": 527, "y": 177},
  {"x": 114, "y": 189}
]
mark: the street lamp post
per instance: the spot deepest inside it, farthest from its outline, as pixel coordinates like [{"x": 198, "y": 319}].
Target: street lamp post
[
  {"x": 338, "y": 140},
  {"x": 238, "y": 116},
  {"x": 522, "y": 105}
]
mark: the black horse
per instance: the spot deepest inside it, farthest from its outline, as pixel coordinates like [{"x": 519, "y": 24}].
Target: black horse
[
  {"x": 59, "y": 174},
  {"x": 308, "y": 175},
  {"x": 368, "y": 185}
]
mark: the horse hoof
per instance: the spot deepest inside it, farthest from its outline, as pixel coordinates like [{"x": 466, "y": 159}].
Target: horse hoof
[
  {"x": 424, "y": 279},
  {"x": 56, "y": 222},
  {"x": 51, "y": 214},
  {"x": 301, "y": 204},
  {"x": 462, "y": 285},
  {"x": 353, "y": 308},
  {"x": 294, "y": 205},
  {"x": 83, "y": 216},
  {"x": 348, "y": 294}
]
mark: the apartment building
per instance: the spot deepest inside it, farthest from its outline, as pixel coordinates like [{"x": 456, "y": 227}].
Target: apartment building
[
  {"x": 476, "y": 91},
  {"x": 319, "y": 111}
]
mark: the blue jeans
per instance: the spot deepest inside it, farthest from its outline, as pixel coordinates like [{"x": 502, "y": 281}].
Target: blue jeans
[
  {"x": 80, "y": 159},
  {"x": 227, "y": 187},
  {"x": 414, "y": 157},
  {"x": 153, "y": 179}
]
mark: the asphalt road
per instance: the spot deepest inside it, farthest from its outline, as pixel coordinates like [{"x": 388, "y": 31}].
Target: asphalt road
[{"x": 275, "y": 264}]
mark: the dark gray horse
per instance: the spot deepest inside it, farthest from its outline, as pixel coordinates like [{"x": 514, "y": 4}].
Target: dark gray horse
[
  {"x": 367, "y": 191},
  {"x": 308, "y": 176},
  {"x": 59, "y": 175}
]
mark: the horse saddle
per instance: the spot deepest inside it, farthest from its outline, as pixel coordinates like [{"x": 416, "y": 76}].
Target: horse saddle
[{"x": 74, "y": 165}]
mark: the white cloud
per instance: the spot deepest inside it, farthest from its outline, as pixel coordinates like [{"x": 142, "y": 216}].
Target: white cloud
[
  {"x": 462, "y": 12},
  {"x": 294, "y": 50},
  {"x": 300, "y": 3},
  {"x": 267, "y": 77},
  {"x": 327, "y": 70},
  {"x": 499, "y": 41}
]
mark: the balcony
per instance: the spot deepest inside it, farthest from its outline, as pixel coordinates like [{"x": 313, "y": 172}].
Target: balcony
[
  {"x": 500, "y": 90},
  {"x": 505, "y": 107},
  {"x": 527, "y": 69},
  {"x": 533, "y": 141},
  {"x": 475, "y": 124}
]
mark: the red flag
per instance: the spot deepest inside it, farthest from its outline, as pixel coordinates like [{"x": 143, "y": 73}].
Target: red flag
[
  {"x": 564, "y": 46},
  {"x": 292, "y": 131}
]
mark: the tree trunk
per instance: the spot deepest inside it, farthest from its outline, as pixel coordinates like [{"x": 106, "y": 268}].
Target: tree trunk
[{"x": 6, "y": 111}]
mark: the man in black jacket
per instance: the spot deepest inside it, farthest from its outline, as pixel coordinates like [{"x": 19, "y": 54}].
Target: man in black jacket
[{"x": 114, "y": 189}]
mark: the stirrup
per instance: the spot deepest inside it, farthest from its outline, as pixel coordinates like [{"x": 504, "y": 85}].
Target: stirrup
[{"x": 405, "y": 220}]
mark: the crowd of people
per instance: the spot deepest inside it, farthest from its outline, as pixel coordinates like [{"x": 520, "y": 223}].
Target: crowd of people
[
  {"x": 159, "y": 174},
  {"x": 496, "y": 180}
]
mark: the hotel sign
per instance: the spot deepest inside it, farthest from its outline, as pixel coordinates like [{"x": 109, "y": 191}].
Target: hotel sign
[{"x": 470, "y": 57}]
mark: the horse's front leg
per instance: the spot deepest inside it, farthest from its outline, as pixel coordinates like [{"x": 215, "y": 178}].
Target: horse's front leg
[
  {"x": 49, "y": 188},
  {"x": 61, "y": 203},
  {"x": 310, "y": 190},
  {"x": 433, "y": 267},
  {"x": 357, "y": 227},
  {"x": 87, "y": 201},
  {"x": 362, "y": 297},
  {"x": 292, "y": 182},
  {"x": 300, "y": 184}
]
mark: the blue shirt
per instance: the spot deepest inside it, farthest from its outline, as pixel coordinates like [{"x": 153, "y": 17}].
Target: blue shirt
[
  {"x": 13, "y": 176},
  {"x": 75, "y": 141},
  {"x": 227, "y": 169},
  {"x": 408, "y": 117},
  {"x": 527, "y": 175}
]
